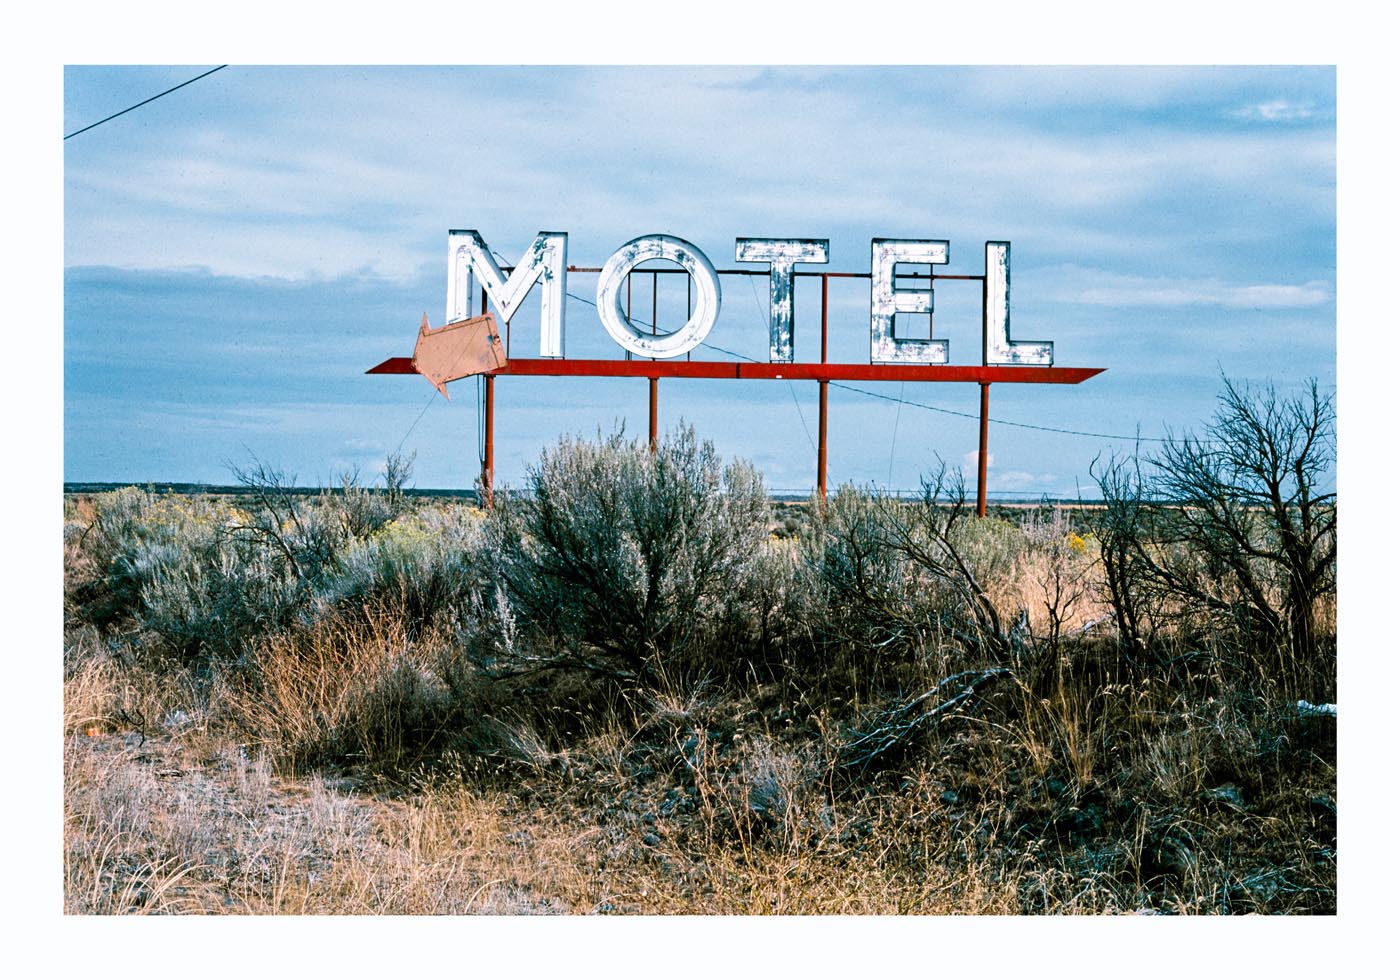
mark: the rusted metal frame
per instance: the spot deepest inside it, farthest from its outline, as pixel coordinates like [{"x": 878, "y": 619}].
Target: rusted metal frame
[
  {"x": 758, "y": 370},
  {"x": 823, "y": 373},
  {"x": 821, "y": 442},
  {"x": 651, "y": 414},
  {"x": 930, "y": 312},
  {"x": 922, "y": 277},
  {"x": 824, "y": 308}
]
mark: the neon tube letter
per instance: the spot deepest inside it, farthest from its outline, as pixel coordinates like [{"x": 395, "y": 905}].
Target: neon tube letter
[
  {"x": 546, "y": 259},
  {"x": 781, "y": 254},
  {"x": 886, "y": 301},
  {"x": 997, "y": 345},
  {"x": 614, "y": 316}
]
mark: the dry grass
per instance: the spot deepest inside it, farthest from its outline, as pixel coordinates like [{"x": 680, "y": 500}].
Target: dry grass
[
  {"x": 151, "y": 830},
  {"x": 352, "y": 764},
  {"x": 336, "y": 689},
  {"x": 1004, "y": 822}
]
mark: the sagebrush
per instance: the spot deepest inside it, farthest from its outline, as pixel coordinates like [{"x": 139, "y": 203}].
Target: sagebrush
[{"x": 637, "y": 685}]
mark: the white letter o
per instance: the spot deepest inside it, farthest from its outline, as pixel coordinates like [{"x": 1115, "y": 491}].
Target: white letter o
[{"x": 614, "y": 316}]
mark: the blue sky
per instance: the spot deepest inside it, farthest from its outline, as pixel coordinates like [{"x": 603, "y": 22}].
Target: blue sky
[{"x": 237, "y": 253}]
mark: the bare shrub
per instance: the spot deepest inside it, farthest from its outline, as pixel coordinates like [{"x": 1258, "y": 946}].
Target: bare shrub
[
  {"x": 1057, "y": 565},
  {"x": 961, "y": 555},
  {"x": 1241, "y": 534},
  {"x": 1128, "y": 588},
  {"x": 872, "y": 600},
  {"x": 902, "y": 582},
  {"x": 623, "y": 557},
  {"x": 364, "y": 510}
]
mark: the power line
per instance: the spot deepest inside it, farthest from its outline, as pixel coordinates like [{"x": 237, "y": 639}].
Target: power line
[
  {"x": 140, "y": 104},
  {"x": 791, "y": 390},
  {"x": 894, "y": 433},
  {"x": 949, "y": 411},
  {"x": 415, "y": 423},
  {"x": 1019, "y": 425}
]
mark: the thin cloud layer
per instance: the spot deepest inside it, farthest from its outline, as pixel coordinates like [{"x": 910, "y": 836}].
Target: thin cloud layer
[
  {"x": 1277, "y": 111},
  {"x": 1097, "y": 287}
]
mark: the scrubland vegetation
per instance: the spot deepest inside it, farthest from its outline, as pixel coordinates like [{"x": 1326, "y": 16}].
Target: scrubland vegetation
[{"x": 637, "y": 685}]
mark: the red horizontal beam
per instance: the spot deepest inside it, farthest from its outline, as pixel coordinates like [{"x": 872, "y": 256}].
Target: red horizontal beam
[{"x": 584, "y": 368}]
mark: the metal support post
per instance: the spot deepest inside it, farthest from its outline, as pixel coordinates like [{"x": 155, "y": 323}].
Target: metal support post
[
  {"x": 824, "y": 282},
  {"x": 982, "y": 455},
  {"x": 821, "y": 411},
  {"x": 821, "y": 444},
  {"x": 651, "y": 382},
  {"x": 651, "y": 427},
  {"x": 488, "y": 465},
  {"x": 488, "y": 425}
]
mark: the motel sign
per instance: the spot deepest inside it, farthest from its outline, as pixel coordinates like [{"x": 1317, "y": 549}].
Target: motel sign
[{"x": 467, "y": 346}]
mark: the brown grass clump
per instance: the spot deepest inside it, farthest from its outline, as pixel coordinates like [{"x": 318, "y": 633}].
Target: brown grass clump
[{"x": 339, "y": 690}]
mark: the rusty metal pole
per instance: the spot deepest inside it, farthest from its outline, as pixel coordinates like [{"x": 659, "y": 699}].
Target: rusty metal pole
[
  {"x": 488, "y": 425},
  {"x": 821, "y": 410},
  {"x": 824, "y": 282},
  {"x": 652, "y": 382},
  {"x": 651, "y": 426},
  {"x": 821, "y": 443},
  {"x": 488, "y": 465},
  {"x": 982, "y": 455},
  {"x": 982, "y": 424}
]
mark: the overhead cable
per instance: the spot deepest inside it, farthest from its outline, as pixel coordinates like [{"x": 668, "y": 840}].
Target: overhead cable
[{"x": 145, "y": 102}]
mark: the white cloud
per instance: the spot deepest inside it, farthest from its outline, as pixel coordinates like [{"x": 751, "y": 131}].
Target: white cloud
[
  {"x": 969, "y": 461},
  {"x": 1097, "y": 287},
  {"x": 1276, "y": 110},
  {"x": 1020, "y": 480},
  {"x": 1313, "y": 293}
]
